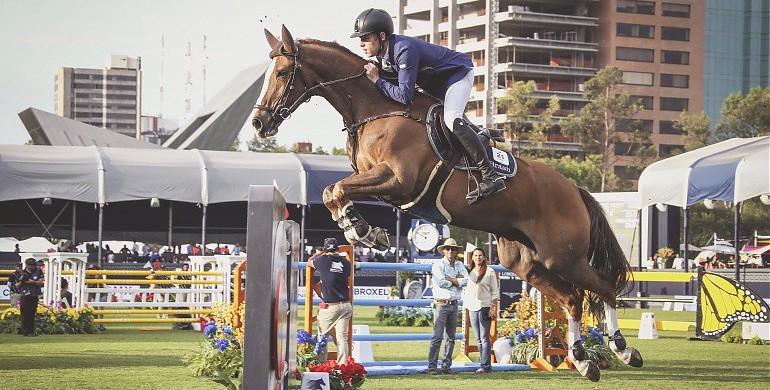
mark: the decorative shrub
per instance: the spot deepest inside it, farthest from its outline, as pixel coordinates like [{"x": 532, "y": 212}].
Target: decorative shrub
[
  {"x": 405, "y": 316},
  {"x": 51, "y": 320},
  {"x": 756, "y": 340}
]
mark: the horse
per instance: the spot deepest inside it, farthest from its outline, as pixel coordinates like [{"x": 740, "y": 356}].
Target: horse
[{"x": 550, "y": 233}]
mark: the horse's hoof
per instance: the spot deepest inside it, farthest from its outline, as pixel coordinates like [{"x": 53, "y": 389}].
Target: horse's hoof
[
  {"x": 381, "y": 241},
  {"x": 589, "y": 369},
  {"x": 634, "y": 358}
]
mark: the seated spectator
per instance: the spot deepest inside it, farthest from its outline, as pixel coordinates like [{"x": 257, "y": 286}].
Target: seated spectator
[
  {"x": 237, "y": 249},
  {"x": 678, "y": 262},
  {"x": 225, "y": 250},
  {"x": 66, "y": 295}
]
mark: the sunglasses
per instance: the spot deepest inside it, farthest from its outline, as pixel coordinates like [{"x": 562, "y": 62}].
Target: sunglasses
[{"x": 451, "y": 249}]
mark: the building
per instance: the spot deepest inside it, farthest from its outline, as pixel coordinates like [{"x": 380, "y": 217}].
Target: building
[
  {"x": 562, "y": 43},
  {"x": 157, "y": 129},
  {"x": 737, "y": 50},
  {"x": 110, "y": 97},
  {"x": 659, "y": 47}
]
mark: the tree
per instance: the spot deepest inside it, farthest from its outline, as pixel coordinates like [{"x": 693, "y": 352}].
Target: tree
[
  {"x": 520, "y": 106},
  {"x": 746, "y": 116},
  {"x": 319, "y": 150},
  {"x": 266, "y": 145},
  {"x": 606, "y": 127},
  {"x": 696, "y": 128},
  {"x": 584, "y": 173},
  {"x": 339, "y": 151},
  {"x": 236, "y": 145}
]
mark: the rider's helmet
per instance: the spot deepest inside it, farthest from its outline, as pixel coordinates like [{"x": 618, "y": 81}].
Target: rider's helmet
[{"x": 373, "y": 21}]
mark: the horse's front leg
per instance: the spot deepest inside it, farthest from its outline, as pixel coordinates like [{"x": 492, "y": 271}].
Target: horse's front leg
[
  {"x": 617, "y": 342},
  {"x": 378, "y": 181}
]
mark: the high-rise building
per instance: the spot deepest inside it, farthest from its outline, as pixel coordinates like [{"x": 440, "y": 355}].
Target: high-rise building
[
  {"x": 562, "y": 43},
  {"x": 110, "y": 97},
  {"x": 737, "y": 50},
  {"x": 658, "y": 45}
]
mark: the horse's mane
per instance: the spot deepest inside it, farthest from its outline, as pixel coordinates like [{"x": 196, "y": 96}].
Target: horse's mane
[{"x": 332, "y": 45}]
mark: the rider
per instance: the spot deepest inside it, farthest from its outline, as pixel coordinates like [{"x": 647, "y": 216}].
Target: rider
[{"x": 441, "y": 72}]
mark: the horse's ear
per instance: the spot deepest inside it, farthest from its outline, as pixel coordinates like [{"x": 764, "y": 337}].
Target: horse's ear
[
  {"x": 271, "y": 39},
  {"x": 288, "y": 41}
]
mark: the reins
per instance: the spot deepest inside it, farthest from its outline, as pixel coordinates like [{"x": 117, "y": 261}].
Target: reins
[{"x": 281, "y": 112}]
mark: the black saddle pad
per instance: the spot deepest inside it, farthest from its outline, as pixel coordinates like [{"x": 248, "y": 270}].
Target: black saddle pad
[{"x": 445, "y": 145}]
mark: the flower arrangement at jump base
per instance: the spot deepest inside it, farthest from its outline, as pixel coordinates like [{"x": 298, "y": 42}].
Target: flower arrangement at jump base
[
  {"x": 308, "y": 349},
  {"x": 54, "y": 319},
  {"x": 347, "y": 376},
  {"x": 523, "y": 333},
  {"x": 220, "y": 358}
]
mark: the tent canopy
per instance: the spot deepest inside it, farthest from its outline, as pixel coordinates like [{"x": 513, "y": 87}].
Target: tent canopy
[
  {"x": 101, "y": 175},
  {"x": 733, "y": 171}
]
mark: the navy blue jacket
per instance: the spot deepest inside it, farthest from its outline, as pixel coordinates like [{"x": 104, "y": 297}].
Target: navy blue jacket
[{"x": 434, "y": 68}]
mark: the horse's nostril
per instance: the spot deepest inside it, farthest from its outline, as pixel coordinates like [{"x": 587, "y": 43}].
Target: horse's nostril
[{"x": 257, "y": 124}]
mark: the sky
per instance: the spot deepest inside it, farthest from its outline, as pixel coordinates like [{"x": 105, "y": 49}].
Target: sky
[{"x": 37, "y": 37}]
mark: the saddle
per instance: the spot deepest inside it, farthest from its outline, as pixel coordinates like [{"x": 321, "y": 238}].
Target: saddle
[
  {"x": 448, "y": 148},
  {"x": 451, "y": 157}
]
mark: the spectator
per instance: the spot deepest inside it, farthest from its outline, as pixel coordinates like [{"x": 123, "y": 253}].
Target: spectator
[
  {"x": 237, "y": 249},
  {"x": 217, "y": 250},
  {"x": 190, "y": 249},
  {"x": 16, "y": 249},
  {"x": 480, "y": 297},
  {"x": 135, "y": 248},
  {"x": 29, "y": 285},
  {"x": 12, "y": 280},
  {"x": 225, "y": 250},
  {"x": 183, "y": 297},
  {"x": 196, "y": 250},
  {"x": 678, "y": 262},
  {"x": 449, "y": 279},
  {"x": 124, "y": 250},
  {"x": 336, "y": 310},
  {"x": 66, "y": 295}
]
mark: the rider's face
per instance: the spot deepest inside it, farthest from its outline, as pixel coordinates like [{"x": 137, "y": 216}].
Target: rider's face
[{"x": 370, "y": 45}]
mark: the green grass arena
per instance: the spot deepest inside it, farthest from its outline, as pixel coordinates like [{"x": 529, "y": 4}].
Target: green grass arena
[{"x": 124, "y": 357}]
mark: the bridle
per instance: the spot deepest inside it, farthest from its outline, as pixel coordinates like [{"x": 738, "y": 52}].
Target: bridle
[{"x": 282, "y": 111}]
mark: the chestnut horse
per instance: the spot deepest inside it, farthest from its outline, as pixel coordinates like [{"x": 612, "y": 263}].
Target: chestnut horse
[{"x": 550, "y": 233}]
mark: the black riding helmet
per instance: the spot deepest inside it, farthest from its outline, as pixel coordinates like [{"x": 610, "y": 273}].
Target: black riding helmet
[{"x": 373, "y": 21}]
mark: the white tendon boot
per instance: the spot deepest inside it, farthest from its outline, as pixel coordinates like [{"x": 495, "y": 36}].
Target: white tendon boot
[
  {"x": 577, "y": 353},
  {"x": 617, "y": 342}
]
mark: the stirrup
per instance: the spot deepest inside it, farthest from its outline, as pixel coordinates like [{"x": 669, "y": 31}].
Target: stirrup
[{"x": 495, "y": 185}]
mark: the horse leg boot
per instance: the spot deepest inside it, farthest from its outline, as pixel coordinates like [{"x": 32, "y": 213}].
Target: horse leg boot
[
  {"x": 491, "y": 182},
  {"x": 617, "y": 342},
  {"x": 577, "y": 352},
  {"x": 358, "y": 230}
]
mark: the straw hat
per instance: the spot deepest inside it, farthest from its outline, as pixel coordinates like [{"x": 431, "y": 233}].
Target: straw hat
[{"x": 450, "y": 242}]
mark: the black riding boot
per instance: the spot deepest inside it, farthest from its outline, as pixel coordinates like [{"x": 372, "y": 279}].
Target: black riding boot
[{"x": 491, "y": 182}]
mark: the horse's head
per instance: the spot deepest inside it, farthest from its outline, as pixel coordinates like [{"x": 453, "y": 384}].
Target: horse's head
[{"x": 282, "y": 88}]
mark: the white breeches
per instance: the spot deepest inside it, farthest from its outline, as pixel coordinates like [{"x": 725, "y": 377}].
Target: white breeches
[{"x": 456, "y": 99}]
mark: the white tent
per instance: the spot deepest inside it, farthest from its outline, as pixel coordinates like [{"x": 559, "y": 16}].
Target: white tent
[
  {"x": 102, "y": 175},
  {"x": 32, "y": 244},
  {"x": 733, "y": 171}
]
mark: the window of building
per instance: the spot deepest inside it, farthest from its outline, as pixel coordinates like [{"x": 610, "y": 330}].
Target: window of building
[
  {"x": 635, "y": 30},
  {"x": 675, "y": 33},
  {"x": 634, "y": 54},
  {"x": 645, "y": 101},
  {"x": 675, "y": 10},
  {"x": 626, "y": 148},
  {"x": 636, "y": 7},
  {"x": 667, "y": 127},
  {"x": 674, "y": 104},
  {"x": 674, "y": 80},
  {"x": 666, "y": 150},
  {"x": 638, "y": 78},
  {"x": 675, "y": 57},
  {"x": 627, "y": 173},
  {"x": 628, "y": 126}
]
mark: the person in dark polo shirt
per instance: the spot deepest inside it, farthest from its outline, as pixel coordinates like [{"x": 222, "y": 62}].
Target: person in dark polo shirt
[
  {"x": 29, "y": 286},
  {"x": 335, "y": 311}
]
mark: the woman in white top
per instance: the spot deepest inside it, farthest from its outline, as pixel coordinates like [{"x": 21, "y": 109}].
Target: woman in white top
[{"x": 481, "y": 294}]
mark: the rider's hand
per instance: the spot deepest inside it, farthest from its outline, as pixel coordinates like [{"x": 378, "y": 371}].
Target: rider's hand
[{"x": 372, "y": 73}]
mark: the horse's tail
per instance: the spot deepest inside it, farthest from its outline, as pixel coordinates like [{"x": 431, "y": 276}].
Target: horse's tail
[{"x": 604, "y": 254}]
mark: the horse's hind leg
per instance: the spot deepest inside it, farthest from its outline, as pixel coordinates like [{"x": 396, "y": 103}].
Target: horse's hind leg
[
  {"x": 523, "y": 262},
  {"x": 617, "y": 342}
]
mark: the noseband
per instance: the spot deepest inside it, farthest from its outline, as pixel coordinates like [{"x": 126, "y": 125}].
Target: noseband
[{"x": 282, "y": 111}]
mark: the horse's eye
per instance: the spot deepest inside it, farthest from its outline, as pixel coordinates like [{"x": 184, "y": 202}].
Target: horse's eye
[{"x": 281, "y": 74}]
